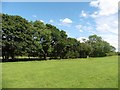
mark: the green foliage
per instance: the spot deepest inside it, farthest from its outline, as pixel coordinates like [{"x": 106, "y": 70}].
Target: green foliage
[
  {"x": 99, "y": 47},
  {"x": 118, "y": 53},
  {"x": 111, "y": 53},
  {"x": 36, "y": 39},
  {"x": 16, "y": 35}
]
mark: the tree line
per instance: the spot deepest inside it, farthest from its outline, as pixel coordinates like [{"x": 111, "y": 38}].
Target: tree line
[{"x": 21, "y": 37}]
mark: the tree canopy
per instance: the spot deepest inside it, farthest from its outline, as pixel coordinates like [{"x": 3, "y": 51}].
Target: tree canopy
[{"x": 36, "y": 39}]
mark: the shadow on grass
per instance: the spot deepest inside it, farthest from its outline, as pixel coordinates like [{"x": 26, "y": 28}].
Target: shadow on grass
[{"x": 21, "y": 59}]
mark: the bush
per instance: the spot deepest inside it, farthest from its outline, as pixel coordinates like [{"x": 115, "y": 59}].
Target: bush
[
  {"x": 118, "y": 53},
  {"x": 111, "y": 53}
]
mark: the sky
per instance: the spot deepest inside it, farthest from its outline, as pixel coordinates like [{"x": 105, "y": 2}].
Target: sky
[{"x": 78, "y": 19}]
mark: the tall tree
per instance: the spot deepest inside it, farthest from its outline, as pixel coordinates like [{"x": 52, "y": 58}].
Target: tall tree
[
  {"x": 99, "y": 47},
  {"x": 15, "y": 35}
]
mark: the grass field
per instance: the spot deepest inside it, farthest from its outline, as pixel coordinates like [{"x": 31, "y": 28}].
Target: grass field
[{"x": 72, "y": 73}]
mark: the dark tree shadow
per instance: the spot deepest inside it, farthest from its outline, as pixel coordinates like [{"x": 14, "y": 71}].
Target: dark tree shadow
[{"x": 21, "y": 59}]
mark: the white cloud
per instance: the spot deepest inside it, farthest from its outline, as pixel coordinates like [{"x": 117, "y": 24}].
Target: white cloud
[
  {"x": 106, "y": 19},
  {"x": 107, "y": 24},
  {"x": 106, "y": 7},
  {"x": 66, "y": 22},
  {"x": 81, "y": 39},
  {"x": 83, "y": 14},
  {"x": 34, "y": 16},
  {"x": 51, "y": 21},
  {"x": 88, "y": 28},
  {"x": 94, "y": 15},
  {"x": 42, "y": 21},
  {"x": 79, "y": 27},
  {"x": 81, "y": 30},
  {"x": 94, "y": 3}
]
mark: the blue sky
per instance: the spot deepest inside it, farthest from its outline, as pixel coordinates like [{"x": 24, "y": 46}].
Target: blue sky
[
  {"x": 79, "y": 19},
  {"x": 54, "y": 12}
]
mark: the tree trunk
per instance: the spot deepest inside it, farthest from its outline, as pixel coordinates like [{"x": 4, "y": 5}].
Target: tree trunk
[{"x": 45, "y": 55}]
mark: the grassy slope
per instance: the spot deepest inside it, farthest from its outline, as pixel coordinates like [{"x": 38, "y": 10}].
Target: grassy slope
[{"x": 76, "y": 73}]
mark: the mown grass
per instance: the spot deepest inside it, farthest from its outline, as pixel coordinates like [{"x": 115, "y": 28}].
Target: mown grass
[
  {"x": 69, "y": 73},
  {"x": 0, "y": 75}
]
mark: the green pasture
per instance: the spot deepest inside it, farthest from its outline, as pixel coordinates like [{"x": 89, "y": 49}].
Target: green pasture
[{"x": 70, "y": 73}]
